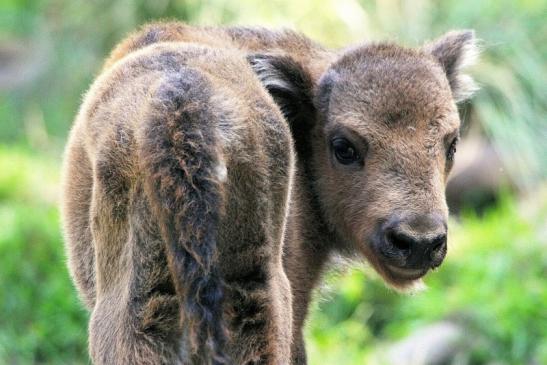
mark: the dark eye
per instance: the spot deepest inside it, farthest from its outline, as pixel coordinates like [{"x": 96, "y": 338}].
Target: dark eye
[
  {"x": 452, "y": 149},
  {"x": 344, "y": 151}
]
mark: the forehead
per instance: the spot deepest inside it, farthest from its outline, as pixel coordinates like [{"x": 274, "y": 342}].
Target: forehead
[{"x": 393, "y": 89}]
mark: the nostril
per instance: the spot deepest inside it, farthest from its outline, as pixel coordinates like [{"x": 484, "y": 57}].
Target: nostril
[
  {"x": 439, "y": 243},
  {"x": 439, "y": 248},
  {"x": 400, "y": 241}
]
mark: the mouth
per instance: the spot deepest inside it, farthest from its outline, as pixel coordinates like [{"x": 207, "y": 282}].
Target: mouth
[
  {"x": 403, "y": 259},
  {"x": 403, "y": 274}
]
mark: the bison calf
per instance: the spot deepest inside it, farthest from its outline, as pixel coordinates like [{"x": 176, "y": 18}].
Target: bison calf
[{"x": 181, "y": 207}]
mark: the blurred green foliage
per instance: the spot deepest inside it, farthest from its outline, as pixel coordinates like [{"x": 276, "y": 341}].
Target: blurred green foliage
[
  {"x": 41, "y": 320},
  {"x": 493, "y": 282}
]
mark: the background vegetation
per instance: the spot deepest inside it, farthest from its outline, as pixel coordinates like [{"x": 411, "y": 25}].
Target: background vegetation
[{"x": 493, "y": 283}]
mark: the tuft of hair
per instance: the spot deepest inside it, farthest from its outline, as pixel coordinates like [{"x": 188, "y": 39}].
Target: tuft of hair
[
  {"x": 415, "y": 287},
  {"x": 455, "y": 51}
]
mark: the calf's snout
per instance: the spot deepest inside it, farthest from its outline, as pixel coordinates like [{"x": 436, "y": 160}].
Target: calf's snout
[{"x": 415, "y": 242}]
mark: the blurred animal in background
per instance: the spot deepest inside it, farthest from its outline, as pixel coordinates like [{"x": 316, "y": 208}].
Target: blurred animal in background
[
  {"x": 479, "y": 174},
  {"x": 182, "y": 211}
]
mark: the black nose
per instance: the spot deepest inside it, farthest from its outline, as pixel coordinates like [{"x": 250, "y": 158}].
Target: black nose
[{"x": 416, "y": 242}]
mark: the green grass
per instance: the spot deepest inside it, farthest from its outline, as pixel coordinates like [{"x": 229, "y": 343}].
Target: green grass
[{"x": 493, "y": 282}]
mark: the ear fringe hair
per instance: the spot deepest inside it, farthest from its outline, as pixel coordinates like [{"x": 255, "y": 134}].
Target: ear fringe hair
[{"x": 456, "y": 51}]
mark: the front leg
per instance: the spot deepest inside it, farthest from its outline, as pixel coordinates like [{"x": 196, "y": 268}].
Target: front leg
[
  {"x": 304, "y": 263},
  {"x": 298, "y": 350}
]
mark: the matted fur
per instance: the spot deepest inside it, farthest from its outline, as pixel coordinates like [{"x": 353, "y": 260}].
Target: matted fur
[{"x": 183, "y": 263}]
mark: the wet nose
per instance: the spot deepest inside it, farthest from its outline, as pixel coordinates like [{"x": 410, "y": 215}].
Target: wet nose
[{"x": 416, "y": 242}]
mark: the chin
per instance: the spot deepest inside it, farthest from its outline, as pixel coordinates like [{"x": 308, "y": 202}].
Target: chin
[{"x": 403, "y": 283}]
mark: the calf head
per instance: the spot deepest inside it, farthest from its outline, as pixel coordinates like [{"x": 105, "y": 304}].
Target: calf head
[{"x": 380, "y": 145}]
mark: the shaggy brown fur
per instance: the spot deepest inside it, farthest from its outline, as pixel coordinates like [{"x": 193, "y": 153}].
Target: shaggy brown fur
[
  {"x": 177, "y": 177},
  {"x": 374, "y": 128}
]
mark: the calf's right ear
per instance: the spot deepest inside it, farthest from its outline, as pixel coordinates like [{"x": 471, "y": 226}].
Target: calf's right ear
[{"x": 455, "y": 51}]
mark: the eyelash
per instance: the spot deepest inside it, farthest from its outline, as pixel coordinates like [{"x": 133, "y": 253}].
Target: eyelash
[{"x": 451, "y": 151}]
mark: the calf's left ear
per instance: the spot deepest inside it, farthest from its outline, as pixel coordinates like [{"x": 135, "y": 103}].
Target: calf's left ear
[
  {"x": 455, "y": 51},
  {"x": 287, "y": 81},
  {"x": 291, "y": 87}
]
